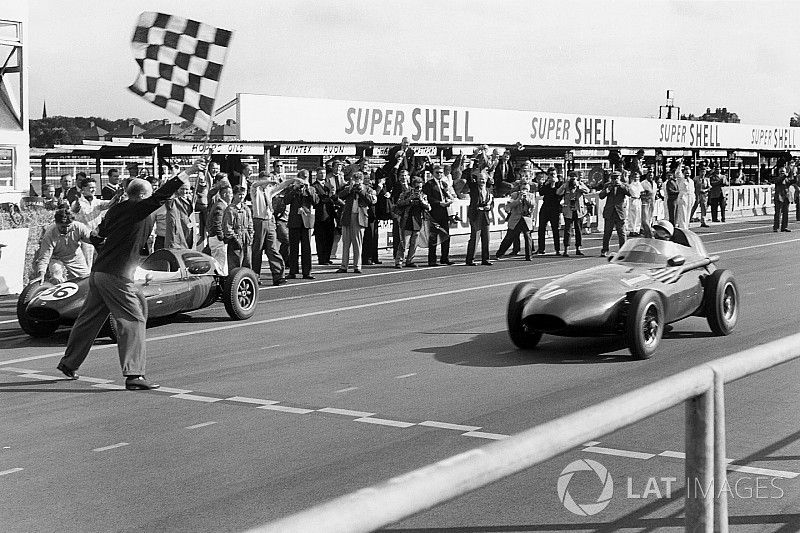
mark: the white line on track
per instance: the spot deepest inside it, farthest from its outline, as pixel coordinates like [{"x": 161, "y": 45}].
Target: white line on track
[
  {"x": 200, "y": 425},
  {"x": 763, "y": 471},
  {"x": 348, "y": 389},
  {"x": 592, "y": 443},
  {"x": 446, "y": 425},
  {"x": 619, "y": 453},
  {"x": 111, "y": 447},
  {"x": 405, "y": 375},
  {"x": 483, "y": 435},
  {"x": 196, "y": 398},
  {"x": 344, "y": 412},
  {"x": 255, "y": 401},
  {"x": 10, "y": 471},
  {"x": 385, "y": 422},
  {"x": 8, "y": 321},
  {"x": 286, "y": 409}
]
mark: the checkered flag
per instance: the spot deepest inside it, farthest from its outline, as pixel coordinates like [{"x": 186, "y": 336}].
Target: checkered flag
[{"x": 180, "y": 62}]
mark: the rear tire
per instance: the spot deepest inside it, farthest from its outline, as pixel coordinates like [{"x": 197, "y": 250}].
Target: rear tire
[
  {"x": 34, "y": 328},
  {"x": 240, "y": 293},
  {"x": 645, "y": 324},
  {"x": 722, "y": 302},
  {"x": 520, "y": 335}
]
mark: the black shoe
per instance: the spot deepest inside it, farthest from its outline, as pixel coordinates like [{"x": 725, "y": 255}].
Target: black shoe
[
  {"x": 498, "y": 257},
  {"x": 411, "y": 265},
  {"x": 291, "y": 276},
  {"x": 139, "y": 383},
  {"x": 704, "y": 226},
  {"x": 486, "y": 263},
  {"x": 433, "y": 264},
  {"x": 356, "y": 271},
  {"x": 329, "y": 263},
  {"x": 67, "y": 371},
  {"x": 448, "y": 262},
  {"x": 514, "y": 252},
  {"x": 368, "y": 262},
  {"x": 471, "y": 264},
  {"x": 603, "y": 254},
  {"x": 565, "y": 254},
  {"x": 787, "y": 230},
  {"x": 376, "y": 262},
  {"x": 308, "y": 276},
  {"x": 539, "y": 252},
  {"x": 578, "y": 252},
  {"x": 277, "y": 282},
  {"x": 342, "y": 271},
  {"x": 775, "y": 230}
]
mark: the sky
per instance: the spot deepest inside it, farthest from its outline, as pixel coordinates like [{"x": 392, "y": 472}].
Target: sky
[{"x": 601, "y": 57}]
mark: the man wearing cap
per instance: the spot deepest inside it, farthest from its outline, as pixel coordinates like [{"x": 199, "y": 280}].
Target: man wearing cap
[
  {"x": 614, "y": 193},
  {"x": 124, "y": 231}
]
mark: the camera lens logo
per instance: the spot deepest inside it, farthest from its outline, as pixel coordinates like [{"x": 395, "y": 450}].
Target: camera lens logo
[{"x": 585, "y": 509}]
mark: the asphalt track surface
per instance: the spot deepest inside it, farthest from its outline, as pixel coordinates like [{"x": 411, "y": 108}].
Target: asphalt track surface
[{"x": 348, "y": 380}]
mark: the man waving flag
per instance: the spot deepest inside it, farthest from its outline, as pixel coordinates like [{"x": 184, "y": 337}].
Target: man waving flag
[{"x": 180, "y": 62}]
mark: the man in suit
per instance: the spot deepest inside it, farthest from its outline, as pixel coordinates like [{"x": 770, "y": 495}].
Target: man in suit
[
  {"x": 357, "y": 199},
  {"x": 614, "y": 211},
  {"x": 336, "y": 181},
  {"x": 782, "y": 182},
  {"x": 574, "y": 209},
  {"x": 550, "y": 210},
  {"x": 324, "y": 216},
  {"x": 265, "y": 237},
  {"x": 405, "y": 157},
  {"x": 68, "y": 192},
  {"x": 504, "y": 177},
  {"x": 481, "y": 203},
  {"x": 110, "y": 189},
  {"x": 439, "y": 198},
  {"x": 301, "y": 198}
]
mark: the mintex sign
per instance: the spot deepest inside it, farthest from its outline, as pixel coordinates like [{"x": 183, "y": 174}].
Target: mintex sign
[
  {"x": 315, "y": 120},
  {"x": 223, "y": 148},
  {"x": 329, "y": 150}
]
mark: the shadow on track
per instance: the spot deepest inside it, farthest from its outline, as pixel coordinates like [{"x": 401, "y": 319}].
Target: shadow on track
[
  {"x": 12, "y": 386},
  {"x": 496, "y": 350}
]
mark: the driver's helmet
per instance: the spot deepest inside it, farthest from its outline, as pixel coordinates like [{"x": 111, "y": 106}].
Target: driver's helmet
[{"x": 665, "y": 225}]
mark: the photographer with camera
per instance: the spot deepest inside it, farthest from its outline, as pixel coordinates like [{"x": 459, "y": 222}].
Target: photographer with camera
[
  {"x": 301, "y": 198},
  {"x": 357, "y": 199},
  {"x": 574, "y": 209},
  {"x": 550, "y": 211},
  {"x": 481, "y": 202},
  {"x": 414, "y": 204},
  {"x": 615, "y": 192},
  {"x": 782, "y": 182},
  {"x": 520, "y": 220}
]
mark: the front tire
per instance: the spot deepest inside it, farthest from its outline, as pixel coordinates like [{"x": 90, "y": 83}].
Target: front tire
[
  {"x": 519, "y": 333},
  {"x": 645, "y": 324},
  {"x": 34, "y": 328},
  {"x": 240, "y": 293},
  {"x": 722, "y": 297}
]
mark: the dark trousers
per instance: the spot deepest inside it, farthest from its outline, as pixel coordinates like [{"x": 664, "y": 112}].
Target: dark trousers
[
  {"x": 323, "y": 236},
  {"x": 512, "y": 237},
  {"x": 397, "y": 237},
  {"x": 369, "y": 246},
  {"x": 201, "y": 222},
  {"x": 672, "y": 209},
  {"x": 701, "y": 202},
  {"x": 478, "y": 225},
  {"x": 300, "y": 245},
  {"x": 571, "y": 224},
  {"x": 282, "y": 231},
  {"x": 781, "y": 214},
  {"x": 120, "y": 297},
  {"x": 545, "y": 217},
  {"x": 434, "y": 235},
  {"x": 612, "y": 223},
  {"x": 238, "y": 254},
  {"x": 717, "y": 204},
  {"x": 159, "y": 243}
]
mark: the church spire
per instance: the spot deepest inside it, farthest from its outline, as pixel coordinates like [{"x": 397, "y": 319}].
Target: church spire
[{"x": 44, "y": 109}]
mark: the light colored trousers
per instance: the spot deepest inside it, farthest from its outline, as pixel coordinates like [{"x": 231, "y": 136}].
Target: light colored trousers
[
  {"x": 219, "y": 253},
  {"x": 352, "y": 235}
]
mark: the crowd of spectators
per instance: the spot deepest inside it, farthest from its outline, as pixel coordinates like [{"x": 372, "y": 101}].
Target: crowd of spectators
[{"x": 343, "y": 202}]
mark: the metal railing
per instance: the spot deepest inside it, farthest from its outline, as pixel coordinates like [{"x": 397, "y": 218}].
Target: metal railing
[{"x": 700, "y": 387}]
